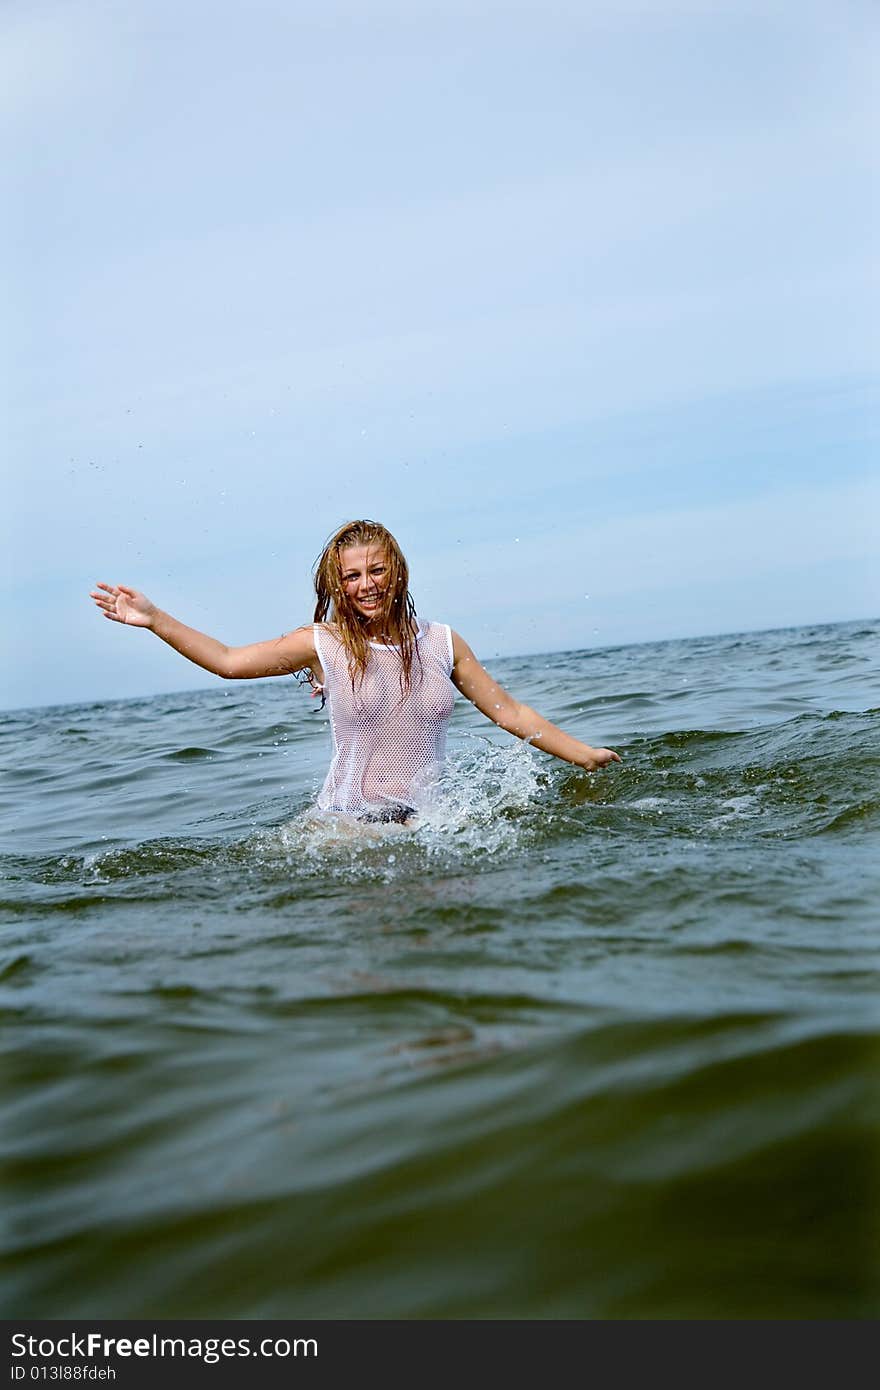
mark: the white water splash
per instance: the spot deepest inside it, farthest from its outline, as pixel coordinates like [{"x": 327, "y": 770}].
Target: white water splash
[{"x": 479, "y": 809}]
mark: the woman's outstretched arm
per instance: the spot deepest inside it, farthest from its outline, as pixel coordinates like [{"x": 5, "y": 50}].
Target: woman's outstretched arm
[
  {"x": 280, "y": 657},
  {"x": 491, "y": 699}
]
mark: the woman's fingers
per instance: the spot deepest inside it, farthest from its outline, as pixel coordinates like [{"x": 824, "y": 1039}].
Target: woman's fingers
[
  {"x": 106, "y": 596},
  {"x": 601, "y": 758}
]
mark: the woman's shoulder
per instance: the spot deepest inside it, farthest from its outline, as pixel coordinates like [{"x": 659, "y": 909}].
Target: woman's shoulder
[
  {"x": 325, "y": 630},
  {"x": 429, "y": 627},
  {"x": 440, "y": 639}
]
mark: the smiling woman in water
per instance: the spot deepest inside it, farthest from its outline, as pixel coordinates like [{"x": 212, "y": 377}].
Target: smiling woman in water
[{"x": 388, "y": 676}]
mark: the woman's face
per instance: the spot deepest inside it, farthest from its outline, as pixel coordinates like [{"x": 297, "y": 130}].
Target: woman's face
[{"x": 365, "y": 576}]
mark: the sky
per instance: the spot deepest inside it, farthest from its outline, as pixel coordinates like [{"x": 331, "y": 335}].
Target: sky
[{"x": 577, "y": 298}]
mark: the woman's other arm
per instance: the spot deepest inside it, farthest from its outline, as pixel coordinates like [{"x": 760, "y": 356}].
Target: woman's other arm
[
  {"x": 491, "y": 699},
  {"x": 279, "y": 657}
]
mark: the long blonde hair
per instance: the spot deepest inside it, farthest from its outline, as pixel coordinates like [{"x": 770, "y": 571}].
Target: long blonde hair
[{"x": 398, "y": 611}]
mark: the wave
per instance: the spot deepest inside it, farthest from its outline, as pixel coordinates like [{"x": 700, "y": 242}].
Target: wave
[
  {"x": 671, "y": 1168},
  {"x": 498, "y": 801}
]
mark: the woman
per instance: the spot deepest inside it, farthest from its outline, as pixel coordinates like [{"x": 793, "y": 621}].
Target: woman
[{"x": 388, "y": 676}]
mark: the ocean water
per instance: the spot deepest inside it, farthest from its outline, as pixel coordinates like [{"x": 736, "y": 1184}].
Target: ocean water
[{"x": 571, "y": 1046}]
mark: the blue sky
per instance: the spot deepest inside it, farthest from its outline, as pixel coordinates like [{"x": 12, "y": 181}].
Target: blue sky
[{"x": 576, "y": 297}]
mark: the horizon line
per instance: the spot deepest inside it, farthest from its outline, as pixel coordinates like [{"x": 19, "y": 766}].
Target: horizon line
[{"x": 512, "y": 656}]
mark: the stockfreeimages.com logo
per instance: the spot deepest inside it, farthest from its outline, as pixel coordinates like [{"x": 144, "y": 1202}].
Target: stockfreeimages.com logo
[{"x": 207, "y": 1349}]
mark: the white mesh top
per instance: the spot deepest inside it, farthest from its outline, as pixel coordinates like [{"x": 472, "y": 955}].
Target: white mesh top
[{"x": 387, "y": 747}]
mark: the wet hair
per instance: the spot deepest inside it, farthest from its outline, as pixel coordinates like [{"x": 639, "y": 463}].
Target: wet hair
[{"x": 398, "y": 611}]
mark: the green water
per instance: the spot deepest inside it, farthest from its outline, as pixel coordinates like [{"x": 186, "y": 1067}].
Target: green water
[{"x": 570, "y": 1046}]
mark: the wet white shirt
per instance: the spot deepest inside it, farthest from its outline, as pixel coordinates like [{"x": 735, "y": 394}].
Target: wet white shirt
[{"x": 387, "y": 747}]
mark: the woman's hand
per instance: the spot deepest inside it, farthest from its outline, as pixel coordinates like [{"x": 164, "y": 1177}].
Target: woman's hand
[
  {"x": 123, "y": 605},
  {"x": 600, "y": 757}
]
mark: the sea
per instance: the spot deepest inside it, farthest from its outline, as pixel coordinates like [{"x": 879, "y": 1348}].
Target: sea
[{"x": 569, "y": 1046}]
